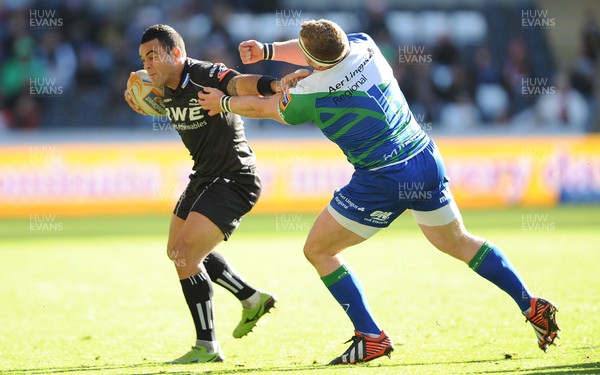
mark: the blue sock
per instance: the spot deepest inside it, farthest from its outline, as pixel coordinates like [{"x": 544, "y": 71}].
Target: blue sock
[
  {"x": 348, "y": 291},
  {"x": 491, "y": 264}
]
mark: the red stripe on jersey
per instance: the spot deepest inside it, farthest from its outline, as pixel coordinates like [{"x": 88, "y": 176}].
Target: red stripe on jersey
[{"x": 222, "y": 73}]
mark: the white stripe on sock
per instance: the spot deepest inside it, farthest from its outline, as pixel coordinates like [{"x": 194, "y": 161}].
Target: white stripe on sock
[
  {"x": 232, "y": 280},
  {"x": 224, "y": 284},
  {"x": 201, "y": 315},
  {"x": 209, "y": 315}
]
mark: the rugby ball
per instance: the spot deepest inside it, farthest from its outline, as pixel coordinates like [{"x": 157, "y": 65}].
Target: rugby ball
[{"x": 148, "y": 97}]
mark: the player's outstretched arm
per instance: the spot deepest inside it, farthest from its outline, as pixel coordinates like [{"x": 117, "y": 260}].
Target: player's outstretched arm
[
  {"x": 289, "y": 51},
  {"x": 254, "y": 84},
  {"x": 215, "y": 102},
  {"x": 251, "y": 84}
]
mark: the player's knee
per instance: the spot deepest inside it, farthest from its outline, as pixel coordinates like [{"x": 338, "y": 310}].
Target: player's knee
[
  {"x": 181, "y": 254},
  {"x": 307, "y": 252},
  {"x": 312, "y": 252},
  {"x": 459, "y": 244},
  {"x": 170, "y": 251}
]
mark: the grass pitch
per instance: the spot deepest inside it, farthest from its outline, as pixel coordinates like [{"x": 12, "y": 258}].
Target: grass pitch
[{"x": 99, "y": 296}]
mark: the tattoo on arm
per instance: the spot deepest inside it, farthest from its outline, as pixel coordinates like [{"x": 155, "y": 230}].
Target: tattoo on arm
[{"x": 232, "y": 87}]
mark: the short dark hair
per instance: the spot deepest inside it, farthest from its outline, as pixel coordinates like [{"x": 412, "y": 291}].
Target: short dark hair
[
  {"x": 324, "y": 39},
  {"x": 166, "y": 35}
]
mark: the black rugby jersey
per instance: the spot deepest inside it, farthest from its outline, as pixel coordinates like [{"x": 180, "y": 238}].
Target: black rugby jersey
[{"x": 217, "y": 143}]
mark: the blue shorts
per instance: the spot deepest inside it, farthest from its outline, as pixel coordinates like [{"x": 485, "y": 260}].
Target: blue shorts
[{"x": 374, "y": 198}]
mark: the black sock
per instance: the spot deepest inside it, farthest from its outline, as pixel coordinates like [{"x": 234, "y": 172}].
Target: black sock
[
  {"x": 221, "y": 273},
  {"x": 198, "y": 293}
]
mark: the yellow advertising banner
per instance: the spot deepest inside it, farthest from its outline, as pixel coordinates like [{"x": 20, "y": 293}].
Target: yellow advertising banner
[
  {"x": 524, "y": 171},
  {"x": 298, "y": 175},
  {"x": 91, "y": 179}
]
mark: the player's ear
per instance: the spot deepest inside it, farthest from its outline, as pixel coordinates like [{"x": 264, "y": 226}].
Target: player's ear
[{"x": 176, "y": 53}]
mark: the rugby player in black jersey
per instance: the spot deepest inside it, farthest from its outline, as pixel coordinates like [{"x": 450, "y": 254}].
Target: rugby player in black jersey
[{"x": 223, "y": 187}]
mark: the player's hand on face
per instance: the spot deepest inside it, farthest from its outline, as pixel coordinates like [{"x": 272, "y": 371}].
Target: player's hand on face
[
  {"x": 210, "y": 100},
  {"x": 291, "y": 79},
  {"x": 251, "y": 51},
  {"x": 129, "y": 101}
]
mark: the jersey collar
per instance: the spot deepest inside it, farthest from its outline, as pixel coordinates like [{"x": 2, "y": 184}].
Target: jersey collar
[
  {"x": 185, "y": 74},
  {"x": 184, "y": 79}
]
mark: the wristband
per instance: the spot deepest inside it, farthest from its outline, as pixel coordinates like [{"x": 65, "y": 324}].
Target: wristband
[
  {"x": 268, "y": 51},
  {"x": 226, "y": 103},
  {"x": 263, "y": 85}
]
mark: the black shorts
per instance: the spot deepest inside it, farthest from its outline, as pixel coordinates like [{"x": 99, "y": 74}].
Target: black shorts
[{"x": 223, "y": 200}]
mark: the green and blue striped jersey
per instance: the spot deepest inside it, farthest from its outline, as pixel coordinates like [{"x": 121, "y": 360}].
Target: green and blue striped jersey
[{"x": 358, "y": 105}]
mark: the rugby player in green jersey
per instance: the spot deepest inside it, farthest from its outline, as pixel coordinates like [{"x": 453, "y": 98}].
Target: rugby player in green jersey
[{"x": 353, "y": 97}]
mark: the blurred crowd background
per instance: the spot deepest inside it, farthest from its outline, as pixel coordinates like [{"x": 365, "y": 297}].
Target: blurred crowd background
[{"x": 464, "y": 66}]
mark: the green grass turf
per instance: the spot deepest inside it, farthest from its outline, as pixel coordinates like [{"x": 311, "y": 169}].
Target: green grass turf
[{"x": 98, "y": 296}]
